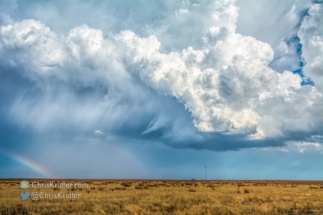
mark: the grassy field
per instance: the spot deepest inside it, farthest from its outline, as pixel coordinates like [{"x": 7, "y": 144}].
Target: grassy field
[{"x": 169, "y": 197}]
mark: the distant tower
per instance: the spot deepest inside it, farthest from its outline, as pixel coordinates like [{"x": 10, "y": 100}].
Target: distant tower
[{"x": 205, "y": 172}]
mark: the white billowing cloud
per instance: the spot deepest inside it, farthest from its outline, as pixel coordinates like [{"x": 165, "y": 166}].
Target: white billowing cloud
[
  {"x": 90, "y": 88},
  {"x": 39, "y": 46},
  {"x": 227, "y": 85},
  {"x": 223, "y": 78},
  {"x": 239, "y": 93},
  {"x": 310, "y": 34}
]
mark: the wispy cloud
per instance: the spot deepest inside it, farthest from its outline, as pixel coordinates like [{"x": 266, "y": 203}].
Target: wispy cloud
[{"x": 300, "y": 147}]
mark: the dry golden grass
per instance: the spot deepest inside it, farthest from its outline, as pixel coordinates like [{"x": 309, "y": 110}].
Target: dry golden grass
[{"x": 171, "y": 197}]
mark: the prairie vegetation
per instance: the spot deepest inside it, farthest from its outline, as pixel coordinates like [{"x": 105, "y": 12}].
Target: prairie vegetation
[{"x": 170, "y": 197}]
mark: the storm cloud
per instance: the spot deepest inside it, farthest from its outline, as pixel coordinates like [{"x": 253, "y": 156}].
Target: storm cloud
[{"x": 158, "y": 71}]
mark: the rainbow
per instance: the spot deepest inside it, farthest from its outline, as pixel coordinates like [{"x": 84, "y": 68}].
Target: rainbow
[{"x": 27, "y": 162}]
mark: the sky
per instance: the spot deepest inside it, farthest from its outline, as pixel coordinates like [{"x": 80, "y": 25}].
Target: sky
[{"x": 161, "y": 89}]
